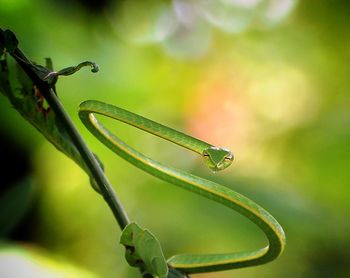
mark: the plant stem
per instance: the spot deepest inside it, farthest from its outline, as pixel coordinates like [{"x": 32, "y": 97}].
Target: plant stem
[
  {"x": 48, "y": 91},
  {"x": 106, "y": 189}
]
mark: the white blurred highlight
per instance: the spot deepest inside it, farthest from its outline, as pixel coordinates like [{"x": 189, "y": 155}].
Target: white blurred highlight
[{"x": 184, "y": 28}]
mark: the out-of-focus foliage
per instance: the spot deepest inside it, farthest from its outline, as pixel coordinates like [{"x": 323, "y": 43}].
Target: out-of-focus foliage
[{"x": 266, "y": 78}]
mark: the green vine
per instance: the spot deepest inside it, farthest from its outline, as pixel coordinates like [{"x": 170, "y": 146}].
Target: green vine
[{"x": 35, "y": 98}]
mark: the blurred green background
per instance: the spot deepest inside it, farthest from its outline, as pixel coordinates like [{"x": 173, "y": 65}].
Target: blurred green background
[{"x": 267, "y": 78}]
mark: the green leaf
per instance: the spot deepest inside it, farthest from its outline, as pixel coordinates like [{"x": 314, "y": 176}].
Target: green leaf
[
  {"x": 26, "y": 99},
  {"x": 142, "y": 250}
]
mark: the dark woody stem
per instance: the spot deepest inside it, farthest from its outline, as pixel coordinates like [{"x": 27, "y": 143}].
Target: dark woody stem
[
  {"x": 106, "y": 189},
  {"x": 46, "y": 87}
]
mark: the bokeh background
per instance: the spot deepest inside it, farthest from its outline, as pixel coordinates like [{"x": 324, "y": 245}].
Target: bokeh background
[{"x": 267, "y": 78}]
